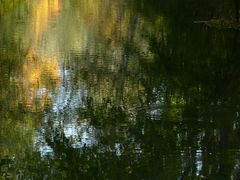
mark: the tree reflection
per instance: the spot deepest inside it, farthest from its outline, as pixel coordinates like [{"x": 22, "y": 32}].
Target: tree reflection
[
  {"x": 144, "y": 93},
  {"x": 26, "y": 78}
]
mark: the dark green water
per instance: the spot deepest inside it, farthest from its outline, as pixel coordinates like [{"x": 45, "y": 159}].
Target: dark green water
[{"x": 121, "y": 89}]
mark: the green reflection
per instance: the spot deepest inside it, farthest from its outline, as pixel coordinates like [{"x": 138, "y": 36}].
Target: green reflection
[{"x": 119, "y": 90}]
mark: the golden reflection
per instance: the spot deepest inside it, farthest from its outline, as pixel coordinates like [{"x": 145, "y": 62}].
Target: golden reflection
[
  {"x": 102, "y": 26},
  {"x": 40, "y": 70},
  {"x": 44, "y": 10}
]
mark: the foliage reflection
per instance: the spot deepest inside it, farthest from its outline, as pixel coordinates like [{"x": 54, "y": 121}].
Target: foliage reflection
[{"x": 118, "y": 90}]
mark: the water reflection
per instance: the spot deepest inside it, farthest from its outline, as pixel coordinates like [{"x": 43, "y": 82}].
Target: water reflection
[
  {"x": 117, "y": 89},
  {"x": 40, "y": 65}
]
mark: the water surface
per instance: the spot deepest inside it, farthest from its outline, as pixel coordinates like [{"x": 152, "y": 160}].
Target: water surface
[{"x": 121, "y": 89}]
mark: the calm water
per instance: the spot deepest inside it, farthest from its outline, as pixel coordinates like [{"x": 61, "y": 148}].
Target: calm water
[{"x": 120, "y": 89}]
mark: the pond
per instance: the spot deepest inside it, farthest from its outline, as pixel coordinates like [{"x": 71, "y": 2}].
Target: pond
[{"x": 121, "y": 89}]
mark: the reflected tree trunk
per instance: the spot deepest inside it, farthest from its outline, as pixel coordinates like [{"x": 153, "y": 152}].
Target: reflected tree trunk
[
  {"x": 225, "y": 124},
  {"x": 236, "y": 4},
  {"x": 123, "y": 74},
  {"x": 125, "y": 60}
]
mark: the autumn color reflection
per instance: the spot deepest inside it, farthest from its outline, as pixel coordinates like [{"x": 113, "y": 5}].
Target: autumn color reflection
[
  {"x": 118, "y": 89},
  {"x": 40, "y": 68}
]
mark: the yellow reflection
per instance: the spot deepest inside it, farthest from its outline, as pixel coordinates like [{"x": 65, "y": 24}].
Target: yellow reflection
[
  {"x": 40, "y": 70},
  {"x": 44, "y": 11}
]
